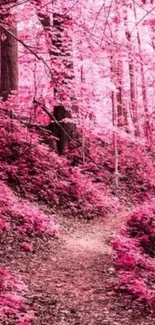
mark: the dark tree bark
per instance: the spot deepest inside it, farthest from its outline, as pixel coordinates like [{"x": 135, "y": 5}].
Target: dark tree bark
[
  {"x": 8, "y": 58},
  {"x": 8, "y": 64},
  {"x": 57, "y": 129}
]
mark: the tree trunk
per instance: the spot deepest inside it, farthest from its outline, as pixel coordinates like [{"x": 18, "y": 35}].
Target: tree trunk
[
  {"x": 117, "y": 74},
  {"x": 60, "y": 52},
  {"x": 143, "y": 83},
  {"x": 121, "y": 109},
  {"x": 8, "y": 62},
  {"x": 115, "y": 124},
  {"x": 133, "y": 96}
]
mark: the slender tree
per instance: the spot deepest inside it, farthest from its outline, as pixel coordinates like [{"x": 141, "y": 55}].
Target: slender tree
[
  {"x": 143, "y": 82},
  {"x": 114, "y": 100},
  {"x": 133, "y": 95},
  {"x": 8, "y": 54}
]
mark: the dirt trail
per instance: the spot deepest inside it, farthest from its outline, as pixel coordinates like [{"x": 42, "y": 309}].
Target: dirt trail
[
  {"x": 90, "y": 237},
  {"x": 71, "y": 279}
]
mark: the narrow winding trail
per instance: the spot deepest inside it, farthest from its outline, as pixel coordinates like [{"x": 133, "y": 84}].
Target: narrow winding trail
[
  {"x": 75, "y": 272},
  {"x": 72, "y": 278}
]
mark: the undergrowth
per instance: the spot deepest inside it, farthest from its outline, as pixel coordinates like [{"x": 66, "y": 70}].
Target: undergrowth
[
  {"x": 22, "y": 221},
  {"x": 36, "y": 172},
  {"x": 135, "y": 255},
  {"x": 13, "y": 303}
]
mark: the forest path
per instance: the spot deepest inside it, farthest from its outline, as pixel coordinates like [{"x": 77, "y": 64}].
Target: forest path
[
  {"x": 71, "y": 279},
  {"x": 73, "y": 272},
  {"x": 91, "y": 236}
]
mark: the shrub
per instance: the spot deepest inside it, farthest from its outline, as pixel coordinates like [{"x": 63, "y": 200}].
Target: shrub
[
  {"x": 27, "y": 217},
  {"x": 135, "y": 255},
  {"x": 32, "y": 169},
  {"x": 13, "y": 305}
]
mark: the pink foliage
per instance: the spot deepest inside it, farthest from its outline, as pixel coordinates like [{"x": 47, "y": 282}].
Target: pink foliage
[
  {"x": 28, "y": 217},
  {"x": 27, "y": 247},
  {"x": 12, "y": 297},
  {"x": 94, "y": 197},
  {"x": 135, "y": 253},
  {"x": 38, "y": 173},
  {"x": 23, "y": 323},
  {"x": 137, "y": 170}
]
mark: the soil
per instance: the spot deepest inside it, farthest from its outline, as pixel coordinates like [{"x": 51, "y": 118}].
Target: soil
[{"x": 72, "y": 279}]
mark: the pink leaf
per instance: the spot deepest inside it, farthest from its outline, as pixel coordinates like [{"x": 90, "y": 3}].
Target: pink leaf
[{"x": 27, "y": 247}]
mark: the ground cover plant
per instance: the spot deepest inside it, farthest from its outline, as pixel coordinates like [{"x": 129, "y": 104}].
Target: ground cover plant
[{"x": 135, "y": 262}]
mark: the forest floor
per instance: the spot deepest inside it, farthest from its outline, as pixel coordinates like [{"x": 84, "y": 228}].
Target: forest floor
[{"x": 72, "y": 278}]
